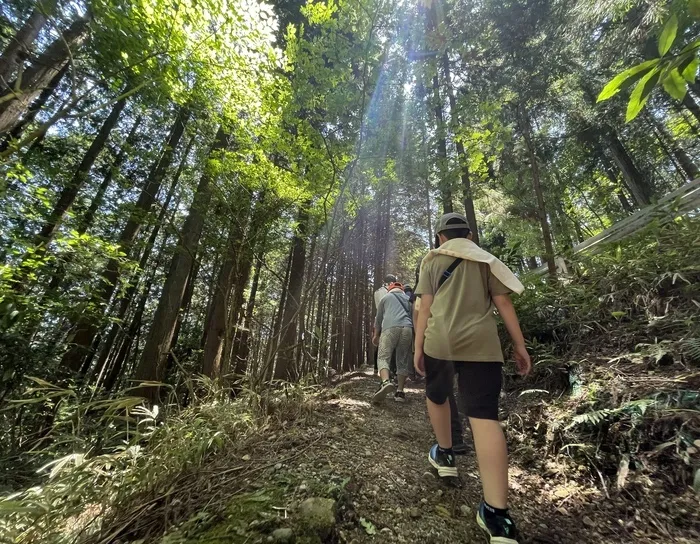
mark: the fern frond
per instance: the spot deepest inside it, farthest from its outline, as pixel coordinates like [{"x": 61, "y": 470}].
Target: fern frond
[
  {"x": 596, "y": 417},
  {"x": 691, "y": 349}
]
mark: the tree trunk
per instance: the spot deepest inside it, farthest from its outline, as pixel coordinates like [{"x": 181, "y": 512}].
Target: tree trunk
[
  {"x": 34, "y": 109},
  {"x": 125, "y": 303},
  {"x": 273, "y": 342},
  {"x": 284, "y": 370},
  {"x": 462, "y": 156},
  {"x": 443, "y": 167},
  {"x": 218, "y": 318},
  {"x": 685, "y": 163},
  {"x": 117, "y": 366},
  {"x": 626, "y": 205},
  {"x": 379, "y": 244},
  {"x": 692, "y": 106},
  {"x": 541, "y": 208},
  {"x": 19, "y": 47},
  {"x": 89, "y": 216},
  {"x": 69, "y": 193},
  {"x": 241, "y": 355},
  {"x": 431, "y": 25},
  {"x": 16, "y": 102},
  {"x": 636, "y": 183},
  {"x": 592, "y": 140},
  {"x": 73, "y": 187},
  {"x": 186, "y": 300},
  {"x": 338, "y": 310},
  {"x": 317, "y": 342},
  {"x": 326, "y": 332},
  {"x": 307, "y": 306},
  {"x": 155, "y": 353},
  {"x": 255, "y": 238},
  {"x": 87, "y": 327}
]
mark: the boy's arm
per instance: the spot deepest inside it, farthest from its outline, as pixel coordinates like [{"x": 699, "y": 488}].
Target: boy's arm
[
  {"x": 420, "y": 325},
  {"x": 378, "y": 323},
  {"x": 507, "y": 312}
]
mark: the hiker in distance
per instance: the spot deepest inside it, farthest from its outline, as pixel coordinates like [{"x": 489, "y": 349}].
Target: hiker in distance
[
  {"x": 379, "y": 294},
  {"x": 456, "y": 332},
  {"x": 393, "y": 331}
]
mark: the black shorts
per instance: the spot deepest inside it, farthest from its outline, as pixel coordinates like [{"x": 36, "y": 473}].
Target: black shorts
[{"x": 479, "y": 385}]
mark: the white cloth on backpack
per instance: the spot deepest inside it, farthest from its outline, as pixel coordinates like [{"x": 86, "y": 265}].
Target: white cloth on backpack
[
  {"x": 379, "y": 294},
  {"x": 468, "y": 250}
]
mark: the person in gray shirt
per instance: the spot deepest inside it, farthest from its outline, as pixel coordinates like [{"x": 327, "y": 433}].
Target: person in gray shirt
[
  {"x": 393, "y": 330},
  {"x": 379, "y": 294}
]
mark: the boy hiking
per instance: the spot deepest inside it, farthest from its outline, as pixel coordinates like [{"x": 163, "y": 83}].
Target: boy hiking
[
  {"x": 393, "y": 331},
  {"x": 459, "y": 446},
  {"x": 456, "y": 332}
]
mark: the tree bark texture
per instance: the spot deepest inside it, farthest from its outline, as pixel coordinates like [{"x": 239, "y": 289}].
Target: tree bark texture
[
  {"x": 221, "y": 307},
  {"x": 34, "y": 109},
  {"x": 14, "y": 103},
  {"x": 634, "y": 180},
  {"x": 70, "y": 192},
  {"x": 87, "y": 327},
  {"x": 19, "y": 47},
  {"x": 154, "y": 358},
  {"x": 537, "y": 186},
  {"x": 284, "y": 369}
]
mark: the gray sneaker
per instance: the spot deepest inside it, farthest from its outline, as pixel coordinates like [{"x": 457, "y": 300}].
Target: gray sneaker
[{"x": 385, "y": 388}]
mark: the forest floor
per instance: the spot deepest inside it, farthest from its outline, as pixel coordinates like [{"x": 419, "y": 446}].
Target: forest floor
[{"x": 372, "y": 461}]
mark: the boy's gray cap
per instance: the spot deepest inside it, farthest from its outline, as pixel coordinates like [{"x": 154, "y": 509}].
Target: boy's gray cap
[{"x": 442, "y": 225}]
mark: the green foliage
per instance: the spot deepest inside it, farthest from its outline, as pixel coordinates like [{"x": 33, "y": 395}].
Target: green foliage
[
  {"x": 641, "y": 278},
  {"x": 597, "y": 417},
  {"x": 351, "y": 114},
  {"x": 127, "y": 451},
  {"x": 627, "y": 79},
  {"x": 368, "y": 526},
  {"x": 668, "y": 35},
  {"x": 675, "y": 72}
]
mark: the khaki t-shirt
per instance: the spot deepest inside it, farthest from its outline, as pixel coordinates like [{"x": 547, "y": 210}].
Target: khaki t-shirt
[{"x": 461, "y": 326}]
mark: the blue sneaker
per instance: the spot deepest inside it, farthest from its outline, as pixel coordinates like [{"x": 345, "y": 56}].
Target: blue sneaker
[
  {"x": 501, "y": 529},
  {"x": 443, "y": 462}
]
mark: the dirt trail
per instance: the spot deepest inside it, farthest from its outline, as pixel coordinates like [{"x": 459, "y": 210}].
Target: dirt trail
[
  {"x": 384, "y": 449},
  {"x": 373, "y": 461}
]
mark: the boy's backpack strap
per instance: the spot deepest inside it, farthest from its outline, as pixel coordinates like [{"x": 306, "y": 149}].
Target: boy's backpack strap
[
  {"x": 407, "y": 309},
  {"x": 447, "y": 273}
]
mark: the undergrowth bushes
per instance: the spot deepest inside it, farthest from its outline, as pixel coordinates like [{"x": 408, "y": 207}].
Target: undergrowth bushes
[
  {"x": 620, "y": 335},
  {"x": 122, "y": 450},
  {"x": 641, "y": 280}
]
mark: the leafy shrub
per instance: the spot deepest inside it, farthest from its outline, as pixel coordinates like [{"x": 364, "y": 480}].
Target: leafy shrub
[
  {"x": 102, "y": 455},
  {"x": 638, "y": 280}
]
